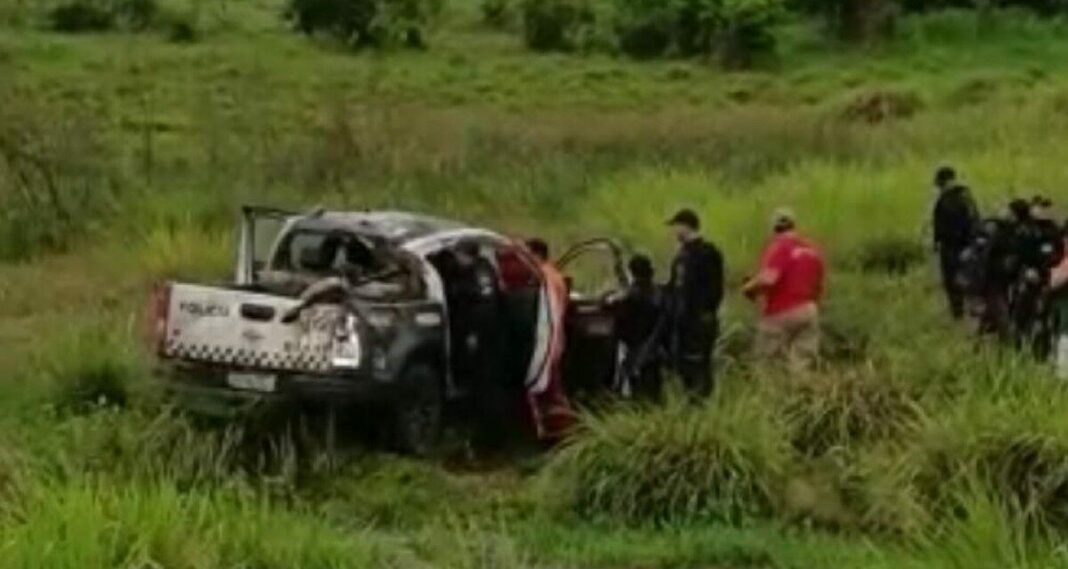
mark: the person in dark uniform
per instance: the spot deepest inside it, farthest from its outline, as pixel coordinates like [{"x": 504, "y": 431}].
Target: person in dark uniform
[
  {"x": 956, "y": 219},
  {"x": 1037, "y": 248},
  {"x": 695, "y": 292},
  {"x": 638, "y": 322},
  {"x": 475, "y": 316},
  {"x": 988, "y": 270}
]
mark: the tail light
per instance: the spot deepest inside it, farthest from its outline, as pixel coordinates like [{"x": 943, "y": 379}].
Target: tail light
[{"x": 159, "y": 311}]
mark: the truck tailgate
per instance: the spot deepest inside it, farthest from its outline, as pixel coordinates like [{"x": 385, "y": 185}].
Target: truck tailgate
[{"x": 245, "y": 330}]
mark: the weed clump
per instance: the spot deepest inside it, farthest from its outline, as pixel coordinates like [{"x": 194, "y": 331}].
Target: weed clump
[
  {"x": 674, "y": 464},
  {"x": 847, "y": 409},
  {"x": 1016, "y": 448},
  {"x": 497, "y": 14},
  {"x": 88, "y": 369},
  {"x": 889, "y": 255},
  {"x": 882, "y": 106}
]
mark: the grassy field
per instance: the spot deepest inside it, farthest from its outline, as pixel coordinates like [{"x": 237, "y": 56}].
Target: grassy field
[{"x": 122, "y": 160}]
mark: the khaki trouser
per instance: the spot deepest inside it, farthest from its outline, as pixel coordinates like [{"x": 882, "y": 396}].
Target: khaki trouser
[{"x": 791, "y": 337}]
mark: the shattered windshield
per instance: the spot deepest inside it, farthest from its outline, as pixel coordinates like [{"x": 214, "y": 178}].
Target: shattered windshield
[{"x": 305, "y": 256}]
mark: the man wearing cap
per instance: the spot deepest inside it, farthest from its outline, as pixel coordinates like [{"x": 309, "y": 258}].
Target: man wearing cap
[
  {"x": 790, "y": 286},
  {"x": 695, "y": 293},
  {"x": 955, "y": 221}
]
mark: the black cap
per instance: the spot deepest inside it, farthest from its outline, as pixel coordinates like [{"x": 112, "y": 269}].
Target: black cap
[
  {"x": 945, "y": 174},
  {"x": 687, "y": 217}
]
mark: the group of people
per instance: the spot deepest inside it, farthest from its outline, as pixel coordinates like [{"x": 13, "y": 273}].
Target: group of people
[
  {"x": 660, "y": 328},
  {"x": 676, "y": 325},
  {"x": 1007, "y": 270}
]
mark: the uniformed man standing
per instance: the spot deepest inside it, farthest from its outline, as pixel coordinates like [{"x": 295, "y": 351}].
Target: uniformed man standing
[
  {"x": 695, "y": 292},
  {"x": 475, "y": 313},
  {"x": 956, "y": 219}
]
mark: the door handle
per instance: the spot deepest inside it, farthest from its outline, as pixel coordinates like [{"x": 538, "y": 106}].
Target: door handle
[{"x": 260, "y": 312}]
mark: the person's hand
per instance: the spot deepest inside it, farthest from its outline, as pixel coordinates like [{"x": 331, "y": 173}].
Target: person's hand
[{"x": 749, "y": 290}]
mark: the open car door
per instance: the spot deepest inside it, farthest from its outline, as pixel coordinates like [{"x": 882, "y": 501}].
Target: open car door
[
  {"x": 260, "y": 228},
  {"x": 594, "y": 270}
]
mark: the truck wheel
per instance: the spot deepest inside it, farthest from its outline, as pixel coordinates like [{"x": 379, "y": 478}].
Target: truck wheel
[{"x": 418, "y": 419}]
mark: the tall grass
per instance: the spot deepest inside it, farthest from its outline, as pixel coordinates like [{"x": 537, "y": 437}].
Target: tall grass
[
  {"x": 101, "y": 526},
  {"x": 674, "y": 464}
]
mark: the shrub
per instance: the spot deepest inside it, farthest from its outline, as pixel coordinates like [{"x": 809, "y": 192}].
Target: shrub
[
  {"x": 81, "y": 16},
  {"x": 649, "y": 28},
  {"x": 855, "y": 20},
  {"x": 675, "y": 463},
  {"x": 890, "y": 255},
  {"x": 736, "y": 31},
  {"x": 99, "y": 15},
  {"x": 136, "y": 14},
  {"x": 365, "y": 23},
  {"x": 745, "y": 31},
  {"x": 496, "y": 13},
  {"x": 182, "y": 29},
  {"x": 556, "y": 25}
]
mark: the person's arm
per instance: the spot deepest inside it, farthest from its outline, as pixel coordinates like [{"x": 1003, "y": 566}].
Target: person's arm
[
  {"x": 937, "y": 224},
  {"x": 716, "y": 276},
  {"x": 1058, "y": 277},
  {"x": 768, "y": 275}
]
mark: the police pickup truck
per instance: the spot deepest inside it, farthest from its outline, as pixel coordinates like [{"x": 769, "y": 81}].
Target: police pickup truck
[{"x": 349, "y": 309}]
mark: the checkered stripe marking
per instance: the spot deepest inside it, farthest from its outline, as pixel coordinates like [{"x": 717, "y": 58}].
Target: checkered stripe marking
[{"x": 313, "y": 359}]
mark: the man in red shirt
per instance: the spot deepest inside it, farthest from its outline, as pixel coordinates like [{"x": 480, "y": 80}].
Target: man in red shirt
[{"x": 790, "y": 286}]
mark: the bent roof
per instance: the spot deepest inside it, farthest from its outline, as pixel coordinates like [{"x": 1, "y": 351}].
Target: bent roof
[{"x": 396, "y": 227}]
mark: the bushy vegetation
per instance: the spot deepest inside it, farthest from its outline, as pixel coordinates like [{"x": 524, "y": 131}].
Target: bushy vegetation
[
  {"x": 54, "y": 177},
  {"x": 736, "y": 31},
  {"x": 675, "y": 464},
  {"x": 365, "y": 23},
  {"x": 890, "y": 255},
  {"x": 557, "y": 25}
]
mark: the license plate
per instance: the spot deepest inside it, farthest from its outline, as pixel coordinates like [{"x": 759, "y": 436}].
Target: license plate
[{"x": 262, "y": 382}]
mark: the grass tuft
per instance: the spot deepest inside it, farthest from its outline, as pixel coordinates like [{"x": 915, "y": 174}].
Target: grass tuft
[{"x": 677, "y": 463}]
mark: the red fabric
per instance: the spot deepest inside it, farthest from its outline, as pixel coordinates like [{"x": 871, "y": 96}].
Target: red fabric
[
  {"x": 550, "y": 407},
  {"x": 515, "y": 272},
  {"x": 799, "y": 267}
]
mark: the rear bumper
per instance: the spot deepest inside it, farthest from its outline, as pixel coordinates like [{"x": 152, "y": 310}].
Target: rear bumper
[{"x": 204, "y": 390}]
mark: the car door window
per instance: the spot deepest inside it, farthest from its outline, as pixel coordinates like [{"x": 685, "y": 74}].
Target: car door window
[{"x": 594, "y": 269}]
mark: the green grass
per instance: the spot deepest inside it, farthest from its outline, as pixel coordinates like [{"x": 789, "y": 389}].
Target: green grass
[{"x": 914, "y": 447}]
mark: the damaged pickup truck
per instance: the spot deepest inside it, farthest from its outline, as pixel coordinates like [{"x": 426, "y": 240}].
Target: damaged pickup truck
[{"x": 349, "y": 309}]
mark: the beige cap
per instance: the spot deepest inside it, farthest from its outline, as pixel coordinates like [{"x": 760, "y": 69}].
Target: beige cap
[{"x": 783, "y": 215}]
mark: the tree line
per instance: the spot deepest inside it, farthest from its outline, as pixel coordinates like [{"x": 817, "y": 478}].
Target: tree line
[{"x": 736, "y": 33}]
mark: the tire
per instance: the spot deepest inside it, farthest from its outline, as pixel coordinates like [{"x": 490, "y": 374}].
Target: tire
[{"x": 418, "y": 419}]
